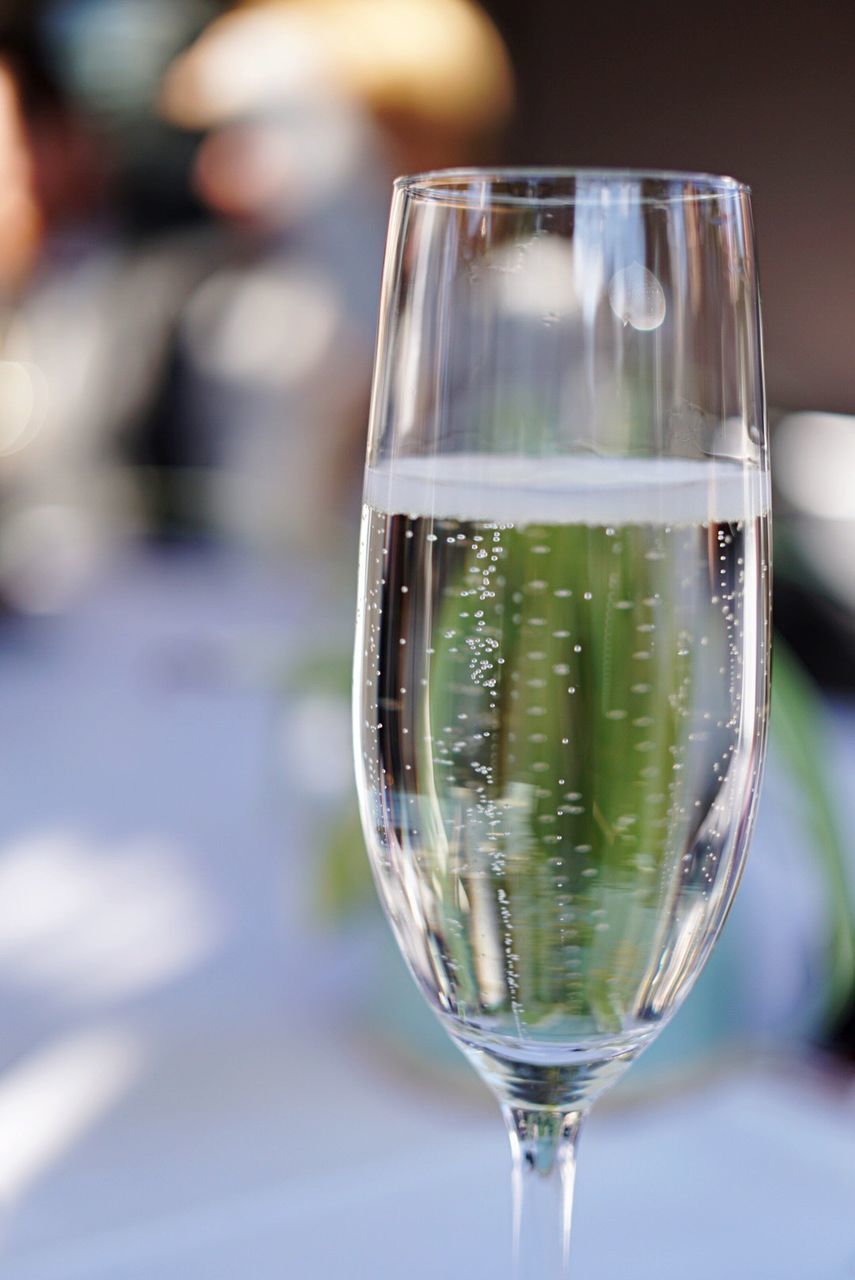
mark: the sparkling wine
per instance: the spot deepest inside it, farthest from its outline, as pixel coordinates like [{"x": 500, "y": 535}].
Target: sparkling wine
[{"x": 558, "y": 710}]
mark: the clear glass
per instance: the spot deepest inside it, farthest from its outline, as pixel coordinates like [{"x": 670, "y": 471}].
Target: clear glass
[{"x": 561, "y": 671}]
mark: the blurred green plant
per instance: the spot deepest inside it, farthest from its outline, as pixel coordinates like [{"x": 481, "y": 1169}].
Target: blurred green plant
[{"x": 800, "y": 739}]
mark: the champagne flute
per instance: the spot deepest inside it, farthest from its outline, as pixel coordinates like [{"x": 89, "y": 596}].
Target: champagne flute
[{"x": 562, "y": 654}]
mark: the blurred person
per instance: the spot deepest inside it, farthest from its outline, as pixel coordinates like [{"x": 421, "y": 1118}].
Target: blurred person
[
  {"x": 78, "y": 342},
  {"x": 51, "y": 181},
  {"x": 310, "y": 108}
]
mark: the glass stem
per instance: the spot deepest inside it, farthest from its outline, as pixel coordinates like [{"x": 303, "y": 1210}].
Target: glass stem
[{"x": 543, "y": 1148}]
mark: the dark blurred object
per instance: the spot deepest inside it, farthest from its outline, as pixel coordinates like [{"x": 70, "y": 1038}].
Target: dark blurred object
[
  {"x": 840, "y": 1037},
  {"x": 107, "y": 56},
  {"x": 51, "y": 172},
  {"x": 820, "y": 631}
]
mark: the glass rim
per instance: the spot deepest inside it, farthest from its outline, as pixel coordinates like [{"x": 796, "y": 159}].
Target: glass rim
[{"x": 455, "y": 186}]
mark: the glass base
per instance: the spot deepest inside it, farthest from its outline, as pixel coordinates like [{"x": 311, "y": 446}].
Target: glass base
[{"x": 571, "y": 1084}]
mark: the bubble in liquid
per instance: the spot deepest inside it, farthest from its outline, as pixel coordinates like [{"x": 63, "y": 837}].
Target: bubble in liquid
[{"x": 637, "y": 298}]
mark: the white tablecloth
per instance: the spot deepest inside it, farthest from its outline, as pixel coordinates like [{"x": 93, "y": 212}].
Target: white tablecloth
[{"x": 186, "y": 1089}]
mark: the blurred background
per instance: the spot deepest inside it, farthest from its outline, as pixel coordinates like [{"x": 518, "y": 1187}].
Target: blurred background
[{"x": 209, "y": 1050}]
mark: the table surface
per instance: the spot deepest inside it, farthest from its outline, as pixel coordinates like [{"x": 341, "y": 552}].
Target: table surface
[{"x": 186, "y": 1090}]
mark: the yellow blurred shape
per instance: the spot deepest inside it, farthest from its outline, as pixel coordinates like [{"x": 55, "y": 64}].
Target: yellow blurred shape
[{"x": 440, "y": 61}]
